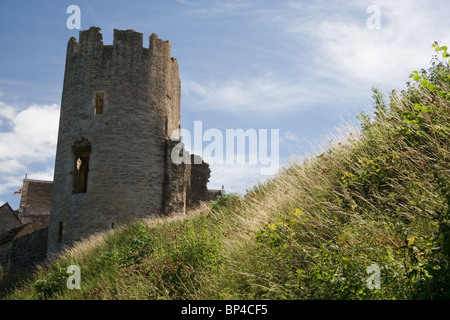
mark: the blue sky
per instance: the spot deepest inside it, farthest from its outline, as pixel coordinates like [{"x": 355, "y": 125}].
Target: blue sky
[{"x": 303, "y": 67}]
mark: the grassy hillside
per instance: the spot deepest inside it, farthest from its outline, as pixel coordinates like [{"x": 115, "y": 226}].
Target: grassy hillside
[{"x": 378, "y": 197}]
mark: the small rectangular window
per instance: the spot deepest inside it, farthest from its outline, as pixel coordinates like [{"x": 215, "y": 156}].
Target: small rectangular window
[
  {"x": 60, "y": 231},
  {"x": 99, "y": 100},
  {"x": 81, "y": 158}
]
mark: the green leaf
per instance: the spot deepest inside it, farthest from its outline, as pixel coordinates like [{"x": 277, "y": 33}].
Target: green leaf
[
  {"x": 411, "y": 241},
  {"x": 425, "y": 83},
  {"x": 417, "y": 78},
  {"x": 432, "y": 88}
]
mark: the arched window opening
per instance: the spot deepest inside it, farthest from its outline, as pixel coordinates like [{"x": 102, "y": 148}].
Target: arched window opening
[{"x": 82, "y": 154}]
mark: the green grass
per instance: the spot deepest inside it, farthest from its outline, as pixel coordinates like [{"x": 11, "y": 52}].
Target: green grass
[{"x": 378, "y": 195}]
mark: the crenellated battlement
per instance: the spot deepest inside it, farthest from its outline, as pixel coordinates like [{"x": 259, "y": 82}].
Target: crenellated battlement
[
  {"x": 129, "y": 38},
  {"x": 91, "y": 41}
]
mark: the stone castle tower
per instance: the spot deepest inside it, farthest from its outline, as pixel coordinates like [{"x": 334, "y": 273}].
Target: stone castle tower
[{"x": 120, "y": 105}]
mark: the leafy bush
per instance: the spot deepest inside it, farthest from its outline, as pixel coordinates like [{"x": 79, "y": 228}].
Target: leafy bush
[{"x": 55, "y": 283}]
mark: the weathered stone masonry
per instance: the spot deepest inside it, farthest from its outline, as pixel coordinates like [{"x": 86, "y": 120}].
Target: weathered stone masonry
[
  {"x": 23, "y": 233},
  {"x": 35, "y": 203},
  {"x": 120, "y": 105}
]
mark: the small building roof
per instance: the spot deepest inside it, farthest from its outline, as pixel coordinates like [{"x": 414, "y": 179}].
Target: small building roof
[
  {"x": 11, "y": 234},
  {"x": 8, "y": 208}
]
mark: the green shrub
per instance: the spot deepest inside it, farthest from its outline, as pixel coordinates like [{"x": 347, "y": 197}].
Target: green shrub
[{"x": 55, "y": 282}]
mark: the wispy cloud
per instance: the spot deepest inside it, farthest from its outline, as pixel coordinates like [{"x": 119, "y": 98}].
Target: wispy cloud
[
  {"x": 349, "y": 51},
  {"x": 32, "y": 133},
  {"x": 235, "y": 178},
  {"x": 7, "y": 114},
  {"x": 329, "y": 53},
  {"x": 11, "y": 166},
  {"x": 46, "y": 174},
  {"x": 27, "y": 141},
  {"x": 9, "y": 184},
  {"x": 262, "y": 94}
]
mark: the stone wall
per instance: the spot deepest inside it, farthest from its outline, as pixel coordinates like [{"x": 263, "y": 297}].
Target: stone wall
[
  {"x": 178, "y": 177},
  {"x": 125, "y": 139},
  {"x": 29, "y": 250},
  {"x": 200, "y": 174},
  {"x": 5, "y": 249},
  {"x": 35, "y": 202},
  {"x": 9, "y": 249},
  {"x": 25, "y": 251}
]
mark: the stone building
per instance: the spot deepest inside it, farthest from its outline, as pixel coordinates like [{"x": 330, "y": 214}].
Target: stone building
[
  {"x": 23, "y": 233},
  {"x": 119, "y": 120},
  {"x": 8, "y": 218},
  {"x": 22, "y": 248},
  {"x": 120, "y": 107},
  {"x": 7, "y": 239},
  {"x": 35, "y": 203}
]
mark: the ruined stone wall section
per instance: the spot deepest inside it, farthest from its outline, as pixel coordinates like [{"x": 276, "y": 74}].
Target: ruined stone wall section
[
  {"x": 141, "y": 94},
  {"x": 200, "y": 174},
  {"x": 178, "y": 182}
]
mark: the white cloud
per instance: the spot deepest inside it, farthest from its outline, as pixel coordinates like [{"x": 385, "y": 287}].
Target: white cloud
[
  {"x": 235, "y": 178},
  {"x": 6, "y": 114},
  {"x": 11, "y": 165},
  {"x": 331, "y": 54},
  {"x": 9, "y": 184},
  {"x": 43, "y": 175},
  {"x": 262, "y": 94},
  {"x": 350, "y": 52},
  {"x": 27, "y": 142},
  {"x": 33, "y": 134},
  {"x": 238, "y": 178}
]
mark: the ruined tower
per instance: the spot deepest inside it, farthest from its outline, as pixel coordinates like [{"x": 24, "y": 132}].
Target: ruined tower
[{"x": 120, "y": 104}]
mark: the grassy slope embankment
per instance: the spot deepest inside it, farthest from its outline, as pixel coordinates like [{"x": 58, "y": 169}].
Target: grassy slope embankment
[{"x": 380, "y": 197}]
